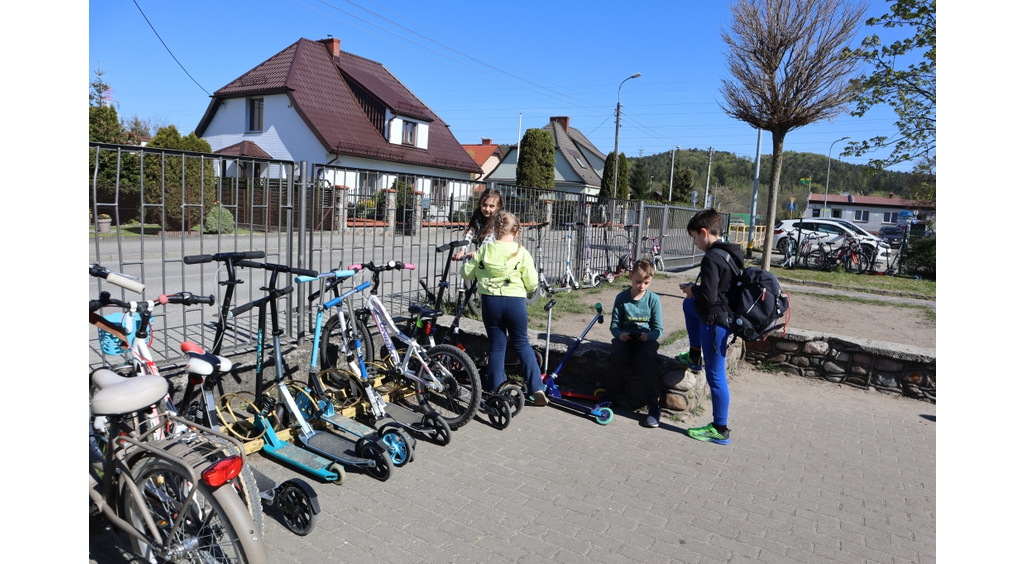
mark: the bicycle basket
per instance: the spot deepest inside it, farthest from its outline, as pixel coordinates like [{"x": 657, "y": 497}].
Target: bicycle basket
[{"x": 111, "y": 345}]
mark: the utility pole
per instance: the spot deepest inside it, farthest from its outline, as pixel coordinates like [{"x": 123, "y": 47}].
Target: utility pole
[
  {"x": 711, "y": 153},
  {"x": 618, "y": 113},
  {"x": 753, "y": 203},
  {"x": 671, "y": 173}
]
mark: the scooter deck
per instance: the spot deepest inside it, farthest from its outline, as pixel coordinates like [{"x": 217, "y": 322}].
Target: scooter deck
[
  {"x": 403, "y": 416},
  {"x": 298, "y": 457},
  {"x": 335, "y": 447},
  {"x": 348, "y": 425}
]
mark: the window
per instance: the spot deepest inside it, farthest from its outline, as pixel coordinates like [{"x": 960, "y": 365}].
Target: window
[
  {"x": 816, "y": 212},
  {"x": 438, "y": 192},
  {"x": 836, "y": 212},
  {"x": 860, "y": 215},
  {"x": 582, "y": 163},
  {"x": 408, "y": 133},
  {"x": 890, "y": 217},
  {"x": 255, "y": 122}
]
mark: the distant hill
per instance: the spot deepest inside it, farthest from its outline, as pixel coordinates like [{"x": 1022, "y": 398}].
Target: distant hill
[{"x": 732, "y": 177}]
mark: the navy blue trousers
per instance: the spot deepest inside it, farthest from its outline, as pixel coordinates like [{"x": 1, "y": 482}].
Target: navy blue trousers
[{"x": 506, "y": 314}]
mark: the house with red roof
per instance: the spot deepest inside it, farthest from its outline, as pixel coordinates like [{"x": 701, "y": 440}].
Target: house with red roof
[
  {"x": 487, "y": 155},
  {"x": 314, "y": 102},
  {"x": 579, "y": 165},
  {"x": 870, "y": 212}
]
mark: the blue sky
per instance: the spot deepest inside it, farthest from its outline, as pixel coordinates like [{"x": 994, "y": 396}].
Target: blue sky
[{"x": 476, "y": 65}]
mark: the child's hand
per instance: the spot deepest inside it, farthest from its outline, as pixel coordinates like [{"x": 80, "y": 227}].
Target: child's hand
[
  {"x": 623, "y": 337},
  {"x": 643, "y": 337},
  {"x": 458, "y": 255},
  {"x": 687, "y": 288}
]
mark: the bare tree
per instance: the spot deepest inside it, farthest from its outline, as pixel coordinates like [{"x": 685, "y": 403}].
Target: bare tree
[{"x": 788, "y": 68}]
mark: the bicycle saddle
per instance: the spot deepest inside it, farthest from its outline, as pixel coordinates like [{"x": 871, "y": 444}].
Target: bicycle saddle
[
  {"x": 199, "y": 362},
  {"x": 128, "y": 395},
  {"x": 425, "y": 312}
]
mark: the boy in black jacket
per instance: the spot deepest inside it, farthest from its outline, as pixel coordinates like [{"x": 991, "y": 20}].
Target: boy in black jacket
[{"x": 707, "y": 318}]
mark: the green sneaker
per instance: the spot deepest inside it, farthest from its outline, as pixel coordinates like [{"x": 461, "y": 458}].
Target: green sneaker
[
  {"x": 684, "y": 357},
  {"x": 708, "y": 433}
]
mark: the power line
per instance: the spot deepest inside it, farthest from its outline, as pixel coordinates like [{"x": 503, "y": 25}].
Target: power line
[{"x": 168, "y": 48}]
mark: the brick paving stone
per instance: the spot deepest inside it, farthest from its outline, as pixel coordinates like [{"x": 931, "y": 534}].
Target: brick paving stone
[{"x": 815, "y": 473}]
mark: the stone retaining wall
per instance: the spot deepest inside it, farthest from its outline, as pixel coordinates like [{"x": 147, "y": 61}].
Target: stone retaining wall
[{"x": 865, "y": 363}]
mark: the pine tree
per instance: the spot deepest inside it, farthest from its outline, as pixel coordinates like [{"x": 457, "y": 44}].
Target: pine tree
[{"x": 536, "y": 166}]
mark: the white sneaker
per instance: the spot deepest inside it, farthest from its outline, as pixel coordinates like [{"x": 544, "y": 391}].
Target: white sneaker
[{"x": 539, "y": 399}]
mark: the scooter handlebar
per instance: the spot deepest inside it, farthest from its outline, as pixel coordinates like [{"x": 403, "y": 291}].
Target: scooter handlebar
[{"x": 117, "y": 279}]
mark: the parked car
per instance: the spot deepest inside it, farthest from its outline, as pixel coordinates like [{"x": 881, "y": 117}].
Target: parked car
[
  {"x": 891, "y": 234},
  {"x": 832, "y": 231}
]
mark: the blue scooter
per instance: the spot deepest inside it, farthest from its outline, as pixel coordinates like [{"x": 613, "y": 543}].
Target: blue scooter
[{"x": 602, "y": 412}]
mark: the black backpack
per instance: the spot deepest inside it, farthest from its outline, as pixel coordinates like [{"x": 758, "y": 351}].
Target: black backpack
[{"x": 756, "y": 301}]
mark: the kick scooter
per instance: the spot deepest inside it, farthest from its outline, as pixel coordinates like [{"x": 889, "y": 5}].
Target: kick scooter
[
  {"x": 315, "y": 403},
  {"x": 602, "y": 412},
  {"x": 294, "y": 498},
  {"x": 322, "y": 453}
]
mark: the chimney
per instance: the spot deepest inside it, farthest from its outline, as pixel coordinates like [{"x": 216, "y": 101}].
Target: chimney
[
  {"x": 333, "y": 44},
  {"x": 485, "y": 141},
  {"x": 564, "y": 120}
]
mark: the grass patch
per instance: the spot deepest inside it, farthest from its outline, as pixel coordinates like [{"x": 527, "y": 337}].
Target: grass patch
[
  {"x": 863, "y": 282},
  {"x": 929, "y": 311},
  {"x": 766, "y": 367},
  {"x": 576, "y": 301},
  {"x": 676, "y": 335}
]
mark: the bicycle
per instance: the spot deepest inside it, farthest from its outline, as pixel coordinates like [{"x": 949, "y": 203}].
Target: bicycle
[
  {"x": 652, "y": 251},
  {"x": 444, "y": 378},
  {"x": 849, "y": 255},
  {"x": 171, "y": 493},
  {"x": 591, "y": 278},
  {"x": 129, "y": 335}
]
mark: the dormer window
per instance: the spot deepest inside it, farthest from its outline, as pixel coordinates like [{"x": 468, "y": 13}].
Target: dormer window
[
  {"x": 254, "y": 115},
  {"x": 408, "y": 133}
]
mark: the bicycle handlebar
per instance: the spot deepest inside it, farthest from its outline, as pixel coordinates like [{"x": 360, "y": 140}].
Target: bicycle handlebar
[
  {"x": 452, "y": 245},
  {"x": 181, "y": 298},
  {"x": 224, "y": 257},
  {"x": 539, "y": 225},
  {"x": 342, "y": 274},
  {"x": 278, "y": 268},
  {"x": 116, "y": 278},
  {"x": 390, "y": 265},
  {"x": 274, "y": 294}
]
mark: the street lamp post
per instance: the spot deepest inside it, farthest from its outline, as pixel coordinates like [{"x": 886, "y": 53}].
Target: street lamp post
[
  {"x": 618, "y": 113},
  {"x": 828, "y": 173},
  {"x": 711, "y": 153},
  {"x": 672, "y": 172}
]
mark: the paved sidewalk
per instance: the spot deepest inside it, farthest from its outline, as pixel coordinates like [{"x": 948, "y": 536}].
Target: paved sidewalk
[{"x": 816, "y": 472}]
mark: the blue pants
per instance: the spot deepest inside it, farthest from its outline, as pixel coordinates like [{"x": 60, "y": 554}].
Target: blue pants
[
  {"x": 635, "y": 357},
  {"x": 503, "y": 314},
  {"x": 712, "y": 341}
]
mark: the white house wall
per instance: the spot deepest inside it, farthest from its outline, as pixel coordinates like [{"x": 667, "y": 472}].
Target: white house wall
[{"x": 285, "y": 135}]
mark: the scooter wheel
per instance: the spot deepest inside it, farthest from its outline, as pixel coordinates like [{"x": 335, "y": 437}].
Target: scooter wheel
[
  {"x": 439, "y": 430},
  {"x": 515, "y": 395},
  {"x": 383, "y": 467},
  {"x": 498, "y": 411},
  {"x": 604, "y": 415},
  {"x": 339, "y": 470},
  {"x": 296, "y": 509},
  {"x": 398, "y": 448}
]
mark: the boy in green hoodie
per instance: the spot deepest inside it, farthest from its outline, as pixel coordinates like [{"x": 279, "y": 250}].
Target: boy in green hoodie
[{"x": 636, "y": 326}]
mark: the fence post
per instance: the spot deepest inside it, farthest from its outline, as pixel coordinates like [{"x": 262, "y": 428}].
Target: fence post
[
  {"x": 417, "y": 213},
  {"x": 341, "y": 206},
  {"x": 390, "y": 212},
  {"x": 640, "y": 219},
  {"x": 300, "y": 262},
  {"x": 664, "y": 225}
]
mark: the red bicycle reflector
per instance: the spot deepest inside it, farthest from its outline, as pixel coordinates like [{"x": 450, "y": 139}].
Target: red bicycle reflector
[
  {"x": 223, "y": 471},
  {"x": 430, "y": 328}
]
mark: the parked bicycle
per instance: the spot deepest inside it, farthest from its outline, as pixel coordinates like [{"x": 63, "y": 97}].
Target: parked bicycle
[
  {"x": 649, "y": 249},
  {"x": 172, "y": 493},
  {"x": 848, "y": 254}
]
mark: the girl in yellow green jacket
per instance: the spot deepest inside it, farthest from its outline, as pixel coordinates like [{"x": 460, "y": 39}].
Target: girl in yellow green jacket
[{"x": 505, "y": 273}]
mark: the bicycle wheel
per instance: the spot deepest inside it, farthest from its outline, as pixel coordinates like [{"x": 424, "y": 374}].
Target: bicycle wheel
[
  {"x": 245, "y": 486},
  {"x": 459, "y": 397},
  {"x": 619, "y": 246},
  {"x": 857, "y": 262},
  {"x": 205, "y": 534},
  {"x": 816, "y": 260},
  {"x": 331, "y": 341}
]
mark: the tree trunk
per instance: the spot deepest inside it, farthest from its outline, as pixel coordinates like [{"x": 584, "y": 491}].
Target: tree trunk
[{"x": 778, "y": 137}]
